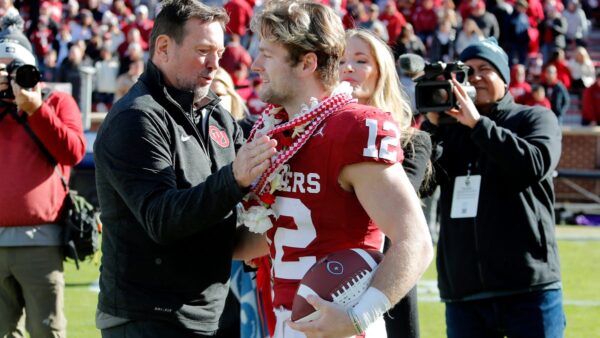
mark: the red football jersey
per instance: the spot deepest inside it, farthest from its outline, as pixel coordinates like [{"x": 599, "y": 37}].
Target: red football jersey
[{"x": 316, "y": 216}]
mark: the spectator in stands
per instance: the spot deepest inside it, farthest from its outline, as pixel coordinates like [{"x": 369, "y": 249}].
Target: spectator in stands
[
  {"x": 107, "y": 69},
  {"x": 552, "y": 33},
  {"x": 443, "y": 42},
  {"x": 85, "y": 27},
  {"x": 46, "y": 15},
  {"x": 393, "y": 20},
  {"x": 503, "y": 11},
  {"x": 126, "y": 80},
  {"x": 235, "y": 55},
  {"x": 69, "y": 71},
  {"x": 61, "y": 44},
  {"x": 425, "y": 21},
  {"x": 577, "y": 23},
  {"x": 469, "y": 34},
  {"x": 374, "y": 24},
  {"x": 590, "y": 110},
  {"x": 537, "y": 97},
  {"x": 240, "y": 14},
  {"x": 556, "y": 91},
  {"x": 519, "y": 88},
  {"x": 134, "y": 53},
  {"x": 7, "y": 8},
  {"x": 113, "y": 35},
  {"x": 408, "y": 42},
  {"x": 55, "y": 9},
  {"x": 49, "y": 67},
  {"x": 94, "y": 7},
  {"x": 518, "y": 33},
  {"x": 557, "y": 59},
  {"x": 447, "y": 11},
  {"x": 143, "y": 23},
  {"x": 93, "y": 46},
  {"x": 498, "y": 263},
  {"x": 486, "y": 21},
  {"x": 133, "y": 36},
  {"x": 121, "y": 11},
  {"x": 42, "y": 38},
  {"x": 582, "y": 70}
]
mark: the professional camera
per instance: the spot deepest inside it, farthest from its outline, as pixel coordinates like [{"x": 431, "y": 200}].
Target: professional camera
[
  {"x": 26, "y": 76},
  {"x": 434, "y": 91}
]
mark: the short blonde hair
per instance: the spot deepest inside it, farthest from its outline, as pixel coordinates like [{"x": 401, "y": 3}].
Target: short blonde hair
[{"x": 304, "y": 27}]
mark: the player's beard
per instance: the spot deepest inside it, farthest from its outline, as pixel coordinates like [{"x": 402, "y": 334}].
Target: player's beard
[{"x": 279, "y": 96}]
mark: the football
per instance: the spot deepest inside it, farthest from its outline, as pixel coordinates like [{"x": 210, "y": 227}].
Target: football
[{"x": 341, "y": 277}]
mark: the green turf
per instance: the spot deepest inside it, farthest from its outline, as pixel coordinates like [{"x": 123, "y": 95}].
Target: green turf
[{"x": 581, "y": 276}]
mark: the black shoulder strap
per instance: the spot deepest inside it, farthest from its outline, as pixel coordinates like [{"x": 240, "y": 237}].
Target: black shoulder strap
[{"x": 23, "y": 121}]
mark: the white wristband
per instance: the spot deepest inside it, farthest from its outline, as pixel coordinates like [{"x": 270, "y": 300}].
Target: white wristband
[{"x": 372, "y": 305}]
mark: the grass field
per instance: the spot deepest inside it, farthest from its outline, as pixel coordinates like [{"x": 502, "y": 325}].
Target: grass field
[{"x": 580, "y": 260}]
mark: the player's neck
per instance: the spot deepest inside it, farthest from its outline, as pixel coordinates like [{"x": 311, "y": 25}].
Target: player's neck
[{"x": 303, "y": 96}]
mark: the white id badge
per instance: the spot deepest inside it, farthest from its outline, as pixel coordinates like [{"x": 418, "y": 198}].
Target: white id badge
[{"x": 465, "y": 196}]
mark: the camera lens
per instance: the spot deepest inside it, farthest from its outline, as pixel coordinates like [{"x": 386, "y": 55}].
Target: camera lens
[
  {"x": 28, "y": 76},
  {"x": 440, "y": 96}
]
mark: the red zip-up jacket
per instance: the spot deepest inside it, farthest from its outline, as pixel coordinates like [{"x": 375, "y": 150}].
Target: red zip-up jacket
[{"x": 31, "y": 192}]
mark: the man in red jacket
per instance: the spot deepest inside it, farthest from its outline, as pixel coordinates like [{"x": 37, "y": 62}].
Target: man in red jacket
[
  {"x": 32, "y": 195},
  {"x": 591, "y": 103}
]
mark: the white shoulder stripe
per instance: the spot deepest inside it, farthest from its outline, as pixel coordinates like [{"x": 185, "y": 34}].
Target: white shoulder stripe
[{"x": 365, "y": 255}]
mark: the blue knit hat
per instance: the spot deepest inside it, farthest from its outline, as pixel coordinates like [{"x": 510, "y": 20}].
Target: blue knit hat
[{"x": 489, "y": 51}]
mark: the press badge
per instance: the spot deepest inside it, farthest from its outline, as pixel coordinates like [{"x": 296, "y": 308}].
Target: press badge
[{"x": 466, "y": 196}]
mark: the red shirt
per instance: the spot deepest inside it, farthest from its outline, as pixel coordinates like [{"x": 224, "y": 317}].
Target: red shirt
[
  {"x": 31, "y": 192},
  {"x": 394, "y": 24},
  {"x": 519, "y": 91},
  {"x": 316, "y": 216},
  {"x": 530, "y": 101},
  {"x": 240, "y": 14},
  {"x": 591, "y": 103},
  {"x": 424, "y": 20}
]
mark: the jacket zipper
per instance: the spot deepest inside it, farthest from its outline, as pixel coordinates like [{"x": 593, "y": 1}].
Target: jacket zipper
[{"x": 181, "y": 110}]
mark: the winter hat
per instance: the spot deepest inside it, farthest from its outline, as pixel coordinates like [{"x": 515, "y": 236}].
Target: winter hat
[
  {"x": 13, "y": 43},
  {"x": 489, "y": 51}
]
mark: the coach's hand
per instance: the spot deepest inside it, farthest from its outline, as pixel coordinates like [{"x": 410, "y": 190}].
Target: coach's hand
[
  {"x": 253, "y": 159},
  {"x": 334, "y": 321}
]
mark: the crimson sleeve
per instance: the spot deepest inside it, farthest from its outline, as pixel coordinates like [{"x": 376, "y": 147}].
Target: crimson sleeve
[{"x": 58, "y": 125}]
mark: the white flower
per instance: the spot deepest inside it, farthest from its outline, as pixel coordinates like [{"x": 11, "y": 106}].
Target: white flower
[
  {"x": 276, "y": 178},
  {"x": 269, "y": 120},
  {"x": 256, "y": 219}
]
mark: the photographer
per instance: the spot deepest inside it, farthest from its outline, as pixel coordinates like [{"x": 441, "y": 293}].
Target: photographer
[
  {"x": 31, "y": 192},
  {"x": 498, "y": 265}
]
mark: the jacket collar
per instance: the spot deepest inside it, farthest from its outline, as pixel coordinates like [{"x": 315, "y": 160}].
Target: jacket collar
[{"x": 505, "y": 104}]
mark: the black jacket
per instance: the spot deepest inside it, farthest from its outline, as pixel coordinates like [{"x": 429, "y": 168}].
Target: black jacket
[
  {"x": 167, "y": 195},
  {"x": 510, "y": 244}
]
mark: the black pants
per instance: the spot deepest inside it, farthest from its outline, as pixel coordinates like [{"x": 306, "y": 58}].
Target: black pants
[
  {"x": 403, "y": 319},
  {"x": 149, "y": 329}
]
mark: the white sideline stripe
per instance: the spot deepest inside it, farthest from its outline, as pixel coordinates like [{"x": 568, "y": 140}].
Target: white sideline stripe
[
  {"x": 305, "y": 291},
  {"x": 365, "y": 255}
]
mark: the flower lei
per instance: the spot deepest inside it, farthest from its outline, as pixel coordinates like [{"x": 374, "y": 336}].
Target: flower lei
[{"x": 291, "y": 135}]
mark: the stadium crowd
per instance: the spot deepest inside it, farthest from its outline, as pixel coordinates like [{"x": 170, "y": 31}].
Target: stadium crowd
[{"x": 546, "y": 42}]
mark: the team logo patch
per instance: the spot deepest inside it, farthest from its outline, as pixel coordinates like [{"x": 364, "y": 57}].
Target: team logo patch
[
  {"x": 335, "y": 268},
  {"x": 219, "y": 136}
]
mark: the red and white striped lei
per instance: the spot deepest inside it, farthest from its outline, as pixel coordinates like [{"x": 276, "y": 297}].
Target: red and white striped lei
[{"x": 256, "y": 217}]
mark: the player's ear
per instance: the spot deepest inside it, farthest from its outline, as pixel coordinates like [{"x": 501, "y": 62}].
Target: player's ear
[{"x": 309, "y": 62}]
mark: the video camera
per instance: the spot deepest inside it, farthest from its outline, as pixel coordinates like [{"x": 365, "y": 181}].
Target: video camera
[
  {"x": 26, "y": 76},
  {"x": 434, "y": 91}
]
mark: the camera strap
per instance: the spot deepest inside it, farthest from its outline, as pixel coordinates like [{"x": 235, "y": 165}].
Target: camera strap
[{"x": 22, "y": 120}]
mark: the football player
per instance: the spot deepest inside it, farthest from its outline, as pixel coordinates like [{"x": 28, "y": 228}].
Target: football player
[{"x": 336, "y": 182}]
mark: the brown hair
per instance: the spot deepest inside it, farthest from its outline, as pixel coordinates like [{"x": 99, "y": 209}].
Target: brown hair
[
  {"x": 304, "y": 27},
  {"x": 174, "y": 14}
]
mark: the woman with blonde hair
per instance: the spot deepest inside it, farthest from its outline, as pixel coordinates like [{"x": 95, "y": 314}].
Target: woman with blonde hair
[
  {"x": 368, "y": 65},
  {"x": 582, "y": 69},
  {"x": 224, "y": 88}
]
